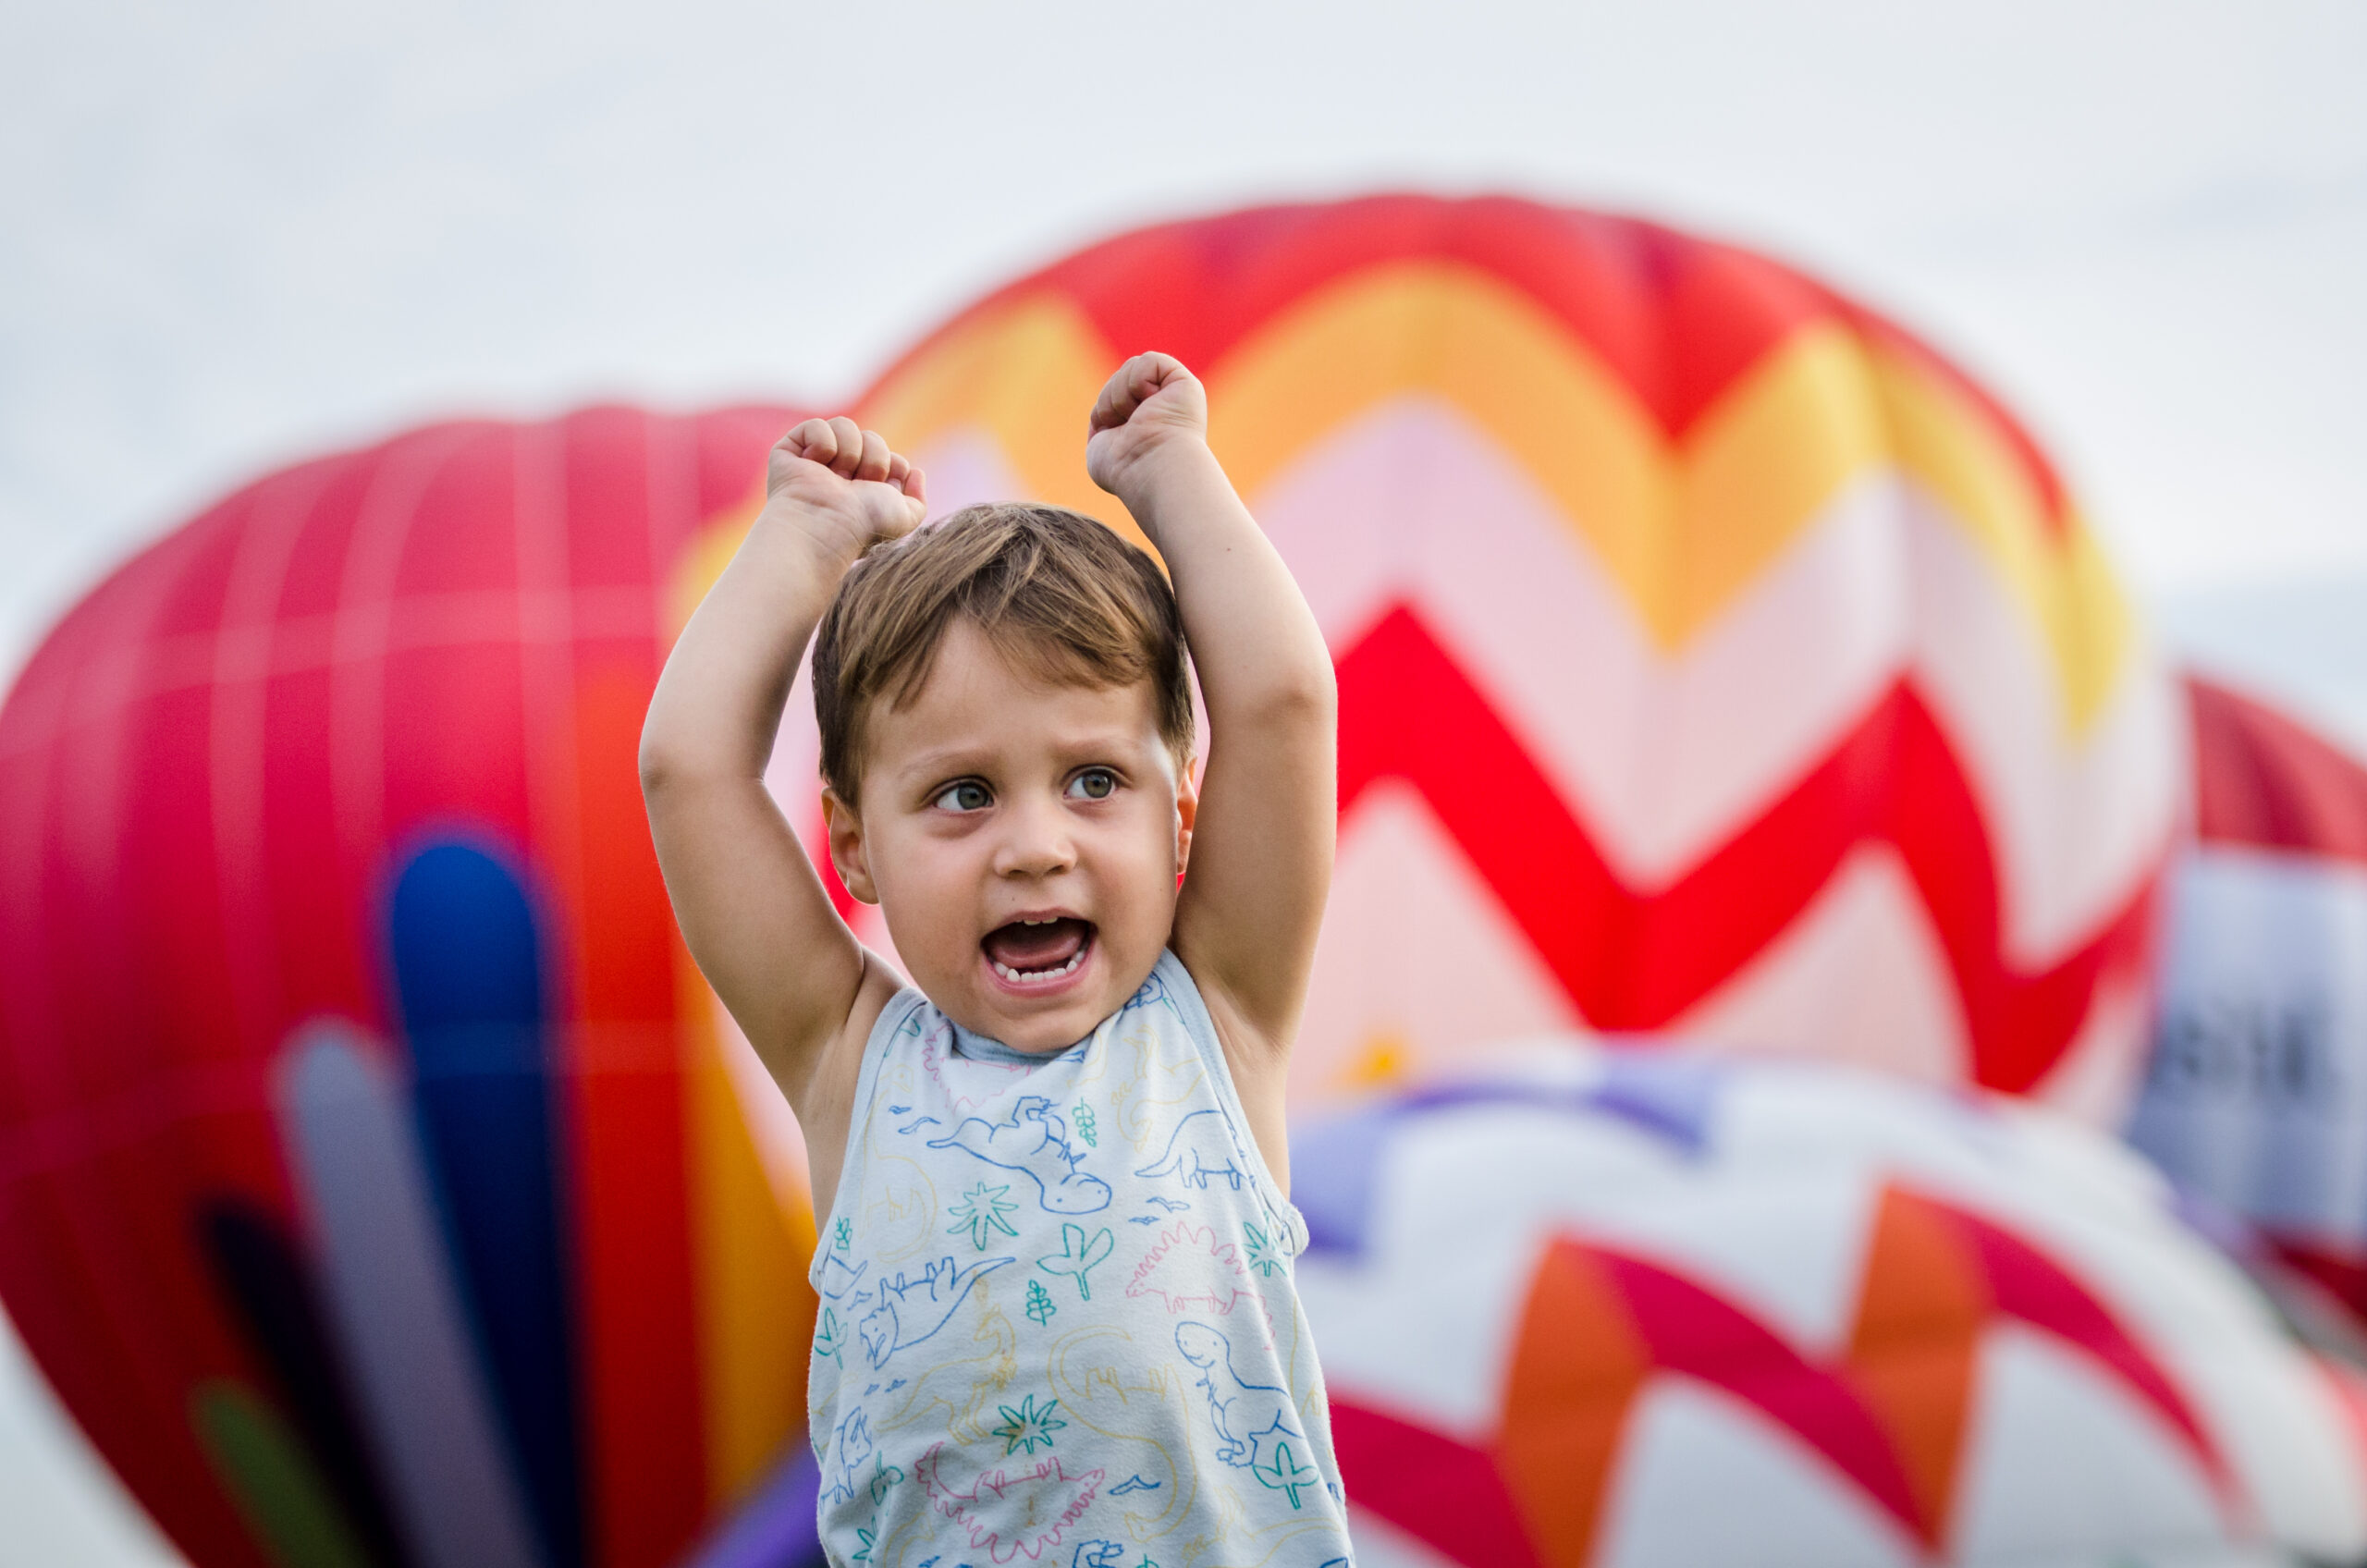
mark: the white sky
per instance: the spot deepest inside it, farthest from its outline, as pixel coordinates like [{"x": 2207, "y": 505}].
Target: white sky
[{"x": 234, "y": 234}]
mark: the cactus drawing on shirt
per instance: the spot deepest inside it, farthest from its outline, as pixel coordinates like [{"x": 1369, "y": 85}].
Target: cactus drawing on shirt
[
  {"x": 1034, "y": 1143},
  {"x": 1282, "y": 1472},
  {"x": 1079, "y": 1255},
  {"x": 827, "y": 1341},
  {"x": 883, "y": 1475}
]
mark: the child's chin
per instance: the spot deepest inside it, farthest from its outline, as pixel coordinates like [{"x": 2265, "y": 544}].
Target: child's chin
[{"x": 1047, "y": 1020}]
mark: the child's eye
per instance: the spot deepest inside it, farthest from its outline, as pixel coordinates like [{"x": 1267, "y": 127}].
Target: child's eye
[
  {"x": 968, "y": 795},
  {"x": 1093, "y": 784}
]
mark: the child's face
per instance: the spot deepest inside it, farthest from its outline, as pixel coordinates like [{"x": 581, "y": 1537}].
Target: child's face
[{"x": 1023, "y": 841}]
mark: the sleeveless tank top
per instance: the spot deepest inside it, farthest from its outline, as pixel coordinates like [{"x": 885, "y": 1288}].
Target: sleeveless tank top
[{"x": 1058, "y": 1323}]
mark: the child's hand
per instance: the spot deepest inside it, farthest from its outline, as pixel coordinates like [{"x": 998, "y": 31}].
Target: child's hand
[
  {"x": 844, "y": 485},
  {"x": 1151, "y": 405}
]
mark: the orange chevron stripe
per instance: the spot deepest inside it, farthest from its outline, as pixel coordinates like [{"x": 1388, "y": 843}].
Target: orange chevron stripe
[
  {"x": 1684, "y": 528},
  {"x": 1911, "y": 1354},
  {"x": 1577, "y": 1365}
]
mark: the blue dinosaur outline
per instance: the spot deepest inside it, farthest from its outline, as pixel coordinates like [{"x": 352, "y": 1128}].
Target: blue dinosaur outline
[
  {"x": 932, "y": 1297},
  {"x": 1188, "y": 1148},
  {"x": 838, "y": 1277},
  {"x": 848, "y": 1449},
  {"x": 1245, "y": 1415},
  {"x": 1034, "y": 1144}
]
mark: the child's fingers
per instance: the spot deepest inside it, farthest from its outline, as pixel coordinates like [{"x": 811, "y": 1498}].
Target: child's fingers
[
  {"x": 1148, "y": 372},
  {"x": 1137, "y": 381},
  {"x": 813, "y": 440},
  {"x": 871, "y": 461},
  {"x": 1114, "y": 407},
  {"x": 917, "y": 487},
  {"x": 850, "y": 447}
]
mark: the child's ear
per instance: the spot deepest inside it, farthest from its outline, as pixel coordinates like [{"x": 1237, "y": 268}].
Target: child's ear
[
  {"x": 845, "y": 827},
  {"x": 1187, "y": 808}
]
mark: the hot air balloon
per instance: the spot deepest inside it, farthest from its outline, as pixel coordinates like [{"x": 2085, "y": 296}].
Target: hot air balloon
[
  {"x": 1714, "y": 657},
  {"x": 2256, "y": 1094},
  {"x": 377, "y": 1184},
  {"x": 1667, "y": 1308}
]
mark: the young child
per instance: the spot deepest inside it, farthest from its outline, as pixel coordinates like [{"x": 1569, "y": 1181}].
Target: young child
[{"x": 1058, "y": 1321}]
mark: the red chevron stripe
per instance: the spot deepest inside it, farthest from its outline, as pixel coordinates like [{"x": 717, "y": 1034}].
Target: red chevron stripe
[
  {"x": 1436, "y": 1489},
  {"x": 1632, "y": 960},
  {"x": 1705, "y": 1336},
  {"x": 2026, "y": 1284}
]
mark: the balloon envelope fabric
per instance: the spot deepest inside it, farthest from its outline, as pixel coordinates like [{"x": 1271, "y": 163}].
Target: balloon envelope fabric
[
  {"x": 1713, "y": 657},
  {"x": 1661, "y": 1307},
  {"x": 376, "y": 1185},
  {"x": 2256, "y": 1097}
]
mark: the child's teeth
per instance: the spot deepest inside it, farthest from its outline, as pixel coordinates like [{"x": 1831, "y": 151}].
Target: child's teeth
[{"x": 1021, "y": 977}]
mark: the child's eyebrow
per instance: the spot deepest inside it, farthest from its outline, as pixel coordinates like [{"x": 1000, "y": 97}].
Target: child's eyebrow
[{"x": 946, "y": 762}]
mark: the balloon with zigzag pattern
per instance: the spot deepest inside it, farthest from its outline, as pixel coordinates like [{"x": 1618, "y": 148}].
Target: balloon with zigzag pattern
[
  {"x": 1660, "y": 1310},
  {"x": 1713, "y": 657}
]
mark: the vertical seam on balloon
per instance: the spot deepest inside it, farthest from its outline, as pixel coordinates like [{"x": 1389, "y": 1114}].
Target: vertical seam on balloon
[
  {"x": 238, "y": 721},
  {"x": 359, "y": 637}
]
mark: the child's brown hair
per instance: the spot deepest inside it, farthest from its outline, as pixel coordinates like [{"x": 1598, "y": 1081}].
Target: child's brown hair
[{"x": 1056, "y": 593}]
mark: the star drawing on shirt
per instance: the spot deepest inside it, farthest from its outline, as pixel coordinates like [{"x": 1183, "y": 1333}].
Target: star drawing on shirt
[
  {"x": 1262, "y": 1255},
  {"x": 981, "y": 1212},
  {"x": 1028, "y": 1426}
]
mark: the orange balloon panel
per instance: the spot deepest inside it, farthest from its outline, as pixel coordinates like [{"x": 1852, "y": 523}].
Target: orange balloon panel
[
  {"x": 374, "y": 1183},
  {"x": 1713, "y": 657}
]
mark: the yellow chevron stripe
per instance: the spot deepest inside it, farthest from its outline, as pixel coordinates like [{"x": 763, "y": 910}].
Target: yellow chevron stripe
[
  {"x": 1951, "y": 446},
  {"x": 1683, "y": 529}
]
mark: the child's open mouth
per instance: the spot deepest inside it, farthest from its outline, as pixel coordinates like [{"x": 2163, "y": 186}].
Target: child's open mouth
[{"x": 1038, "y": 952}]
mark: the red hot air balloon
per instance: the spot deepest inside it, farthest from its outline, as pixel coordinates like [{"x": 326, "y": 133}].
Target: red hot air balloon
[{"x": 374, "y": 1183}]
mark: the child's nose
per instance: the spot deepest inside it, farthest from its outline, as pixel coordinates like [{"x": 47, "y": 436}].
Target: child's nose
[{"x": 1036, "y": 841}]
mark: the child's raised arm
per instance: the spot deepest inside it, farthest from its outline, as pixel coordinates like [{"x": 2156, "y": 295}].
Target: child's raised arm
[
  {"x": 749, "y": 903},
  {"x": 1261, "y": 846}
]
